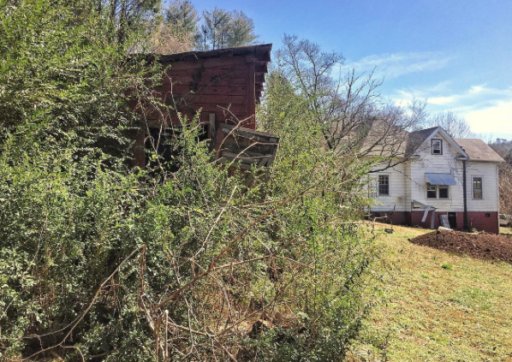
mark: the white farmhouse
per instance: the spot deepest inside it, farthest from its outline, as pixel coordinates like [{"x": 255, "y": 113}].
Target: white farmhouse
[{"x": 440, "y": 180}]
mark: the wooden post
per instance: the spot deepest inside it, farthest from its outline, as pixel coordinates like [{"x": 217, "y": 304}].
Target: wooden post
[
  {"x": 211, "y": 126},
  {"x": 251, "y": 94}
]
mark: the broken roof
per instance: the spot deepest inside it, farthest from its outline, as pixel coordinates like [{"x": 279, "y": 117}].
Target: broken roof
[{"x": 478, "y": 150}]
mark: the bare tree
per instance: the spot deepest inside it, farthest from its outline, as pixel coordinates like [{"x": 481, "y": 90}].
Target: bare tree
[
  {"x": 505, "y": 185},
  {"x": 417, "y": 110},
  {"x": 504, "y": 149},
  {"x": 352, "y": 116},
  {"x": 453, "y": 124}
]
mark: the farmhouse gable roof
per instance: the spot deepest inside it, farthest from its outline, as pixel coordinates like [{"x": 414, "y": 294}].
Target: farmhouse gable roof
[{"x": 478, "y": 150}]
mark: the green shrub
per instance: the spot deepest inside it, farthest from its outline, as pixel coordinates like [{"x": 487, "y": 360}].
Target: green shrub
[
  {"x": 99, "y": 260},
  {"x": 447, "y": 266}
]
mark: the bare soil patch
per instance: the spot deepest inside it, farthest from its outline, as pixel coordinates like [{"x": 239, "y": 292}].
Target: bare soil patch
[{"x": 476, "y": 245}]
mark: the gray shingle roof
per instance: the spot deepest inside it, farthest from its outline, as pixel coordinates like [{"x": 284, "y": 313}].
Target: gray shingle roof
[
  {"x": 417, "y": 138},
  {"x": 384, "y": 140},
  {"x": 478, "y": 150}
]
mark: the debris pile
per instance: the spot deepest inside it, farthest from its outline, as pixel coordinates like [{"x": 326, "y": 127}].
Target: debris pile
[{"x": 476, "y": 245}]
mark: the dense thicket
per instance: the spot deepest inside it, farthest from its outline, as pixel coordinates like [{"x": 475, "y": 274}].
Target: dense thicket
[{"x": 101, "y": 261}]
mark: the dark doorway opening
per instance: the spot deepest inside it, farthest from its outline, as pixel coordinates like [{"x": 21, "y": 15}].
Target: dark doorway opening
[{"x": 452, "y": 219}]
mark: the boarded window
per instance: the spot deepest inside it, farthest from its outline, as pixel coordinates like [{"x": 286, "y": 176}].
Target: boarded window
[
  {"x": 431, "y": 191},
  {"x": 383, "y": 185},
  {"x": 477, "y": 188},
  {"x": 437, "y": 147}
]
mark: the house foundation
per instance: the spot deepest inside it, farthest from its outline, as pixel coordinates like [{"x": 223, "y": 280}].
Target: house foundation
[{"x": 481, "y": 220}]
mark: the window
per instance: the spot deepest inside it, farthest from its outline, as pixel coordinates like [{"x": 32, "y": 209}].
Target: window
[
  {"x": 431, "y": 191},
  {"x": 383, "y": 185},
  {"x": 477, "y": 188},
  {"x": 437, "y": 147},
  {"x": 443, "y": 192},
  {"x": 437, "y": 192}
]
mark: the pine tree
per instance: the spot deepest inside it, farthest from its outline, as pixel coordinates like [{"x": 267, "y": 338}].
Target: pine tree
[
  {"x": 241, "y": 30},
  {"x": 182, "y": 17},
  {"x": 221, "y": 28}
]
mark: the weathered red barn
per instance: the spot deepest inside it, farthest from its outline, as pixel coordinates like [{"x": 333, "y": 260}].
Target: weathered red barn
[{"x": 224, "y": 85}]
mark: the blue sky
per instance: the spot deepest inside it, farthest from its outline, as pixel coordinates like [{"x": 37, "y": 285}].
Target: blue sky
[{"x": 457, "y": 54}]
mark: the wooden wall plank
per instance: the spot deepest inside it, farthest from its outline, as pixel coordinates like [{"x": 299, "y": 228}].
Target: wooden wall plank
[{"x": 208, "y": 63}]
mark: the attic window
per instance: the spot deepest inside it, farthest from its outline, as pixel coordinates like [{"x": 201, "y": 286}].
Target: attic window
[{"x": 437, "y": 147}]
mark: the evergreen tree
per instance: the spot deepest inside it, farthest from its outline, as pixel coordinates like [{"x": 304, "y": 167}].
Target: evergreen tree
[
  {"x": 241, "y": 29},
  {"x": 221, "y": 29},
  {"x": 127, "y": 15},
  {"x": 213, "y": 31},
  {"x": 182, "y": 16}
]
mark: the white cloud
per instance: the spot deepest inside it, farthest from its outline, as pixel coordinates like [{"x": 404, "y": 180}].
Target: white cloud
[
  {"x": 476, "y": 93},
  {"x": 488, "y": 110},
  {"x": 493, "y": 119},
  {"x": 442, "y": 100},
  {"x": 476, "y": 89},
  {"x": 399, "y": 64}
]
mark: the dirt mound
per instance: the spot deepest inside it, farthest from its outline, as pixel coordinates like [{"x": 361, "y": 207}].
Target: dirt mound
[{"x": 481, "y": 245}]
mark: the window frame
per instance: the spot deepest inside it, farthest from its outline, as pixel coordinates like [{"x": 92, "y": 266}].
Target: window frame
[
  {"x": 481, "y": 187},
  {"x": 436, "y": 189},
  {"x": 435, "y": 140},
  {"x": 444, "y": 187},
  {"x": 429, "y": 186},
  {"x": 379, "y": 185}
]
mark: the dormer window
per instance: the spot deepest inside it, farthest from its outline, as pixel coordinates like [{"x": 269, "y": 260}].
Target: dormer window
[{"x": 437, "y": 147}]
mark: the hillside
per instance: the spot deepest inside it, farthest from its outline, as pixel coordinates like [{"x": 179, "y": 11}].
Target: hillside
[{"x": 439, "y": 306}]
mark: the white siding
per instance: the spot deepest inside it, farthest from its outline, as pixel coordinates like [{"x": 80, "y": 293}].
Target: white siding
[
  {"x": 397, "y": 189},
  {"x": 407, "y": 182},
  {"x": 488, "y": 171},
  {"x": 445, "y": 163}
]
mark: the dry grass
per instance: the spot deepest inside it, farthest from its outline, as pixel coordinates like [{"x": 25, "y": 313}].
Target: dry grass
[
  {"x": 505, "y": 230},
  {"x": 439, "y": 306}
]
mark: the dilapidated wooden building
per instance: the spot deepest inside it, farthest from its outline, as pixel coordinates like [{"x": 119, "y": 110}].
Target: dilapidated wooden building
[{"x": 224, "y": 85}]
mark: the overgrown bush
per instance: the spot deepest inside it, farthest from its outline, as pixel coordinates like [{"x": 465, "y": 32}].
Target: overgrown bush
[{"x": 101, "y": 261}]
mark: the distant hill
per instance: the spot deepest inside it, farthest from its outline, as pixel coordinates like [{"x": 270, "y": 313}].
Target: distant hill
[{"x": 503, "y": 147}]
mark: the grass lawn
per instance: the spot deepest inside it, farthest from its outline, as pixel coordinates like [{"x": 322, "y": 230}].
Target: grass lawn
[
  {"x": 505, "y": 230},
  {"x": 439, "y": 306}
]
